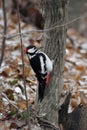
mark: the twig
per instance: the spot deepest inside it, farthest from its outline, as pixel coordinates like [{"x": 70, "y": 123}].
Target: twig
[
  {"x": 19, "y": 26},
  {"x": 56, "y": 25},
  {"x": 4, "y": 32},
  {"x": 31, "y": 81},
  {"x": 72, "y": 62}
]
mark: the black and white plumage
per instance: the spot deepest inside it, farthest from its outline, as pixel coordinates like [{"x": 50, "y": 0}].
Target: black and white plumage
[{"x": 42, "y": 66}]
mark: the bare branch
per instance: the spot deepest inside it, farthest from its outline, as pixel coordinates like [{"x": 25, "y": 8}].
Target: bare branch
[
  {"x": 4, "y": 32},
  {"x": 56, "y": 25},
  {"x": 19, "y": 26}
]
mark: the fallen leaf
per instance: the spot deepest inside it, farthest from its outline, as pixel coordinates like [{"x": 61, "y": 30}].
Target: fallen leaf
[
  {"x": 13, "y": 125},
  {"x": 83, "y": 98},
  {"x": 9, "y": 93},
  {"x": 21, "y": 105}
]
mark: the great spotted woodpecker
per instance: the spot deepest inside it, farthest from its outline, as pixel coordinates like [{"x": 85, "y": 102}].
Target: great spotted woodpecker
[{"x": 42, "y": 66}]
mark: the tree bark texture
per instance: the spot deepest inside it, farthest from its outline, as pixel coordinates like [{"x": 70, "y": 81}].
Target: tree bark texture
[
  {"x": 76, "y": 120},
  {"x": 55, "y": 13}
]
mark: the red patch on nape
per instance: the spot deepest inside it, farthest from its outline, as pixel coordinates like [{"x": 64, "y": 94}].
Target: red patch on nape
[{"x": 47, "y": 79}]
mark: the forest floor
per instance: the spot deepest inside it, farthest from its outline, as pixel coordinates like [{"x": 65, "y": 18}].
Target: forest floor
[{"x": 12, "y": 94}]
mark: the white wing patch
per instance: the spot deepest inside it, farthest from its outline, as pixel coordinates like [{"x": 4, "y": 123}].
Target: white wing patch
[
  {"x": 49, "y": 64},
  {"x": 42, "y": 65}
]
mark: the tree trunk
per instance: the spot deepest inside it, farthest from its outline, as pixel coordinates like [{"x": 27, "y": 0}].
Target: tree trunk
[
  {"x": 55, "y": 13},
  {"x": 76, "y": 120}
]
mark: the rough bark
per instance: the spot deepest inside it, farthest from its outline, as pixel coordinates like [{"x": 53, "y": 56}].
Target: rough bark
[
  {"x": 76, "y": 120},
  {"x": 55, "y": 11}
]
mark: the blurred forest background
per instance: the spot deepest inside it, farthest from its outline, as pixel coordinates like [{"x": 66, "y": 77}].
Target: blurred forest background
[
  {"x": 12, "y": 96},
  {"x": 76, "y": 9}
]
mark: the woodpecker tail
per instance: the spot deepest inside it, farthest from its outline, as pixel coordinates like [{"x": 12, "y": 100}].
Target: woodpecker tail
[
  {"x": 47, "y": 79},
  {"x": 41, "y": 90}
]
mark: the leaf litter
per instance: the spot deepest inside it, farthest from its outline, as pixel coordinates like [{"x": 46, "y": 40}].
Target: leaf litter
[{"x": 11, "y": 84}]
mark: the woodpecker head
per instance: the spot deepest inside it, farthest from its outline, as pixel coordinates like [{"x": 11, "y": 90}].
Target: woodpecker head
[{"x": 31, "y": 50}]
